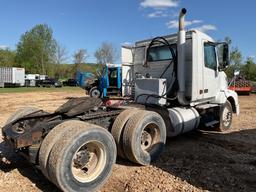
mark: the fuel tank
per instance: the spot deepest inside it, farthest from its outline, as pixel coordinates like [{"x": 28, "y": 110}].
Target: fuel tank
[{"x": 183, "y": 119}]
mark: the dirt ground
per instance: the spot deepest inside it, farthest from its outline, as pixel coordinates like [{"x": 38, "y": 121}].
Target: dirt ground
[{"x": 198, "y": 161}]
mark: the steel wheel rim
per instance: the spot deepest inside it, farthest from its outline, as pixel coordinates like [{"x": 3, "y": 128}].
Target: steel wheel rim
[
  {"x": 88, "y": 161},
  {"x": 96, "y": 93},
  {"x": 226, "y": 117},
  {"x": 149, "y": 137}
]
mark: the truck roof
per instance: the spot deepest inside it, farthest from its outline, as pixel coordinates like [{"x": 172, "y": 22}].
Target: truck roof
[{"x": 173, "y": 37}]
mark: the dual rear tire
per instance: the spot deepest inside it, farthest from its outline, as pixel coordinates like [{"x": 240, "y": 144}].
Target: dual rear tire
[
  {"x": 140, "y": 135},
  {"x": 77, "y": 156}
]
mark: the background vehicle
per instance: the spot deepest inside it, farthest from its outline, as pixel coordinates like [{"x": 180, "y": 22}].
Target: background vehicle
[
  {"x": 240, "y": 85},
  {"x": 108, "y": 83},
  {"x": 48, "y": 82},
  {"x": 84, "y": 78},
  {"x": 12, "y": 77},
  {"x": 176, "y": 83},
  {"x": 70, "y": 82},
  {"x": 31, "y": 80}
]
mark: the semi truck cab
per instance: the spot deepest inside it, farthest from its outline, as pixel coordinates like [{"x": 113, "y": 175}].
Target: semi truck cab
[{"x": 203, "y": 72}]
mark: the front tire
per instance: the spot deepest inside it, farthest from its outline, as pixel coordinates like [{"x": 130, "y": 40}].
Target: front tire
[
  {"x": 82, "y": 159},
  {"x": 225, "y": 117},
  {"x": 95, "y": 92}
]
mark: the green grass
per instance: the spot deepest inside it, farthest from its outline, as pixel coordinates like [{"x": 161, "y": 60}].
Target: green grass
[{"x": 39, "y": 89}]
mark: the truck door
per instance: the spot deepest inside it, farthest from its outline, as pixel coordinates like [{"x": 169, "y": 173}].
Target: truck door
[
  {"x": 210, "y": 72},
  {"x": 126, "y": 72},
  {"x": 114, "y": 75}
]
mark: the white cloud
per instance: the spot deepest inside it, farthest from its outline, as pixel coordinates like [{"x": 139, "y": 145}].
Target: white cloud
[
  {"x": 157, "y": 14},
  {"x": 3, "y": 46},
  {"x": 175, "y": 23},
  {"x": 159, "y": 4},
  {"x": 205, "y": 28},
  {"x": 127, "y": 43}
]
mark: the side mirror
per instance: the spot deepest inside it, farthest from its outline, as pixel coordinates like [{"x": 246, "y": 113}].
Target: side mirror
[{"x": 223, "y": 56}]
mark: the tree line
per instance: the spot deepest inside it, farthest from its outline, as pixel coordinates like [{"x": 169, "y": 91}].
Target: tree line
[
  {"x": 247, "y": 67},
  {"x": 40, "y": 53}
]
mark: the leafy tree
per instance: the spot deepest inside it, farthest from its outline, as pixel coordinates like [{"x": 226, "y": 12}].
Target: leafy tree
[
  {"x": 249, "y": 69},
  {"x": 66, "y": 71},
  {"x": 235, "y": 59},
  {"x": 61, "y": 55},
  {"x": 7, "y": 58},
  {"x": 36, "y": 50},
  {"x": 79, "y": 58},
  {"x": 106, "y": 53}
]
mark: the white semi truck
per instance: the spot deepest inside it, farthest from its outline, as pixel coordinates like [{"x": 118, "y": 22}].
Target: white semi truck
[{"x": 174, "y": 84}]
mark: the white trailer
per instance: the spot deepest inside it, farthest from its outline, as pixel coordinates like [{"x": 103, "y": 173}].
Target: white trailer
[
  {"x": 42, "y": 77},
  {"x": 12, "y": 76},
  {"x": 30, "y": 79}
]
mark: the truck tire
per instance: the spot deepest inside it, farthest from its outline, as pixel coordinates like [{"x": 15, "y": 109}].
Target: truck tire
[
  {"x": 144, "y": 137},
  {"x": 225, "y": 117},
  {"x": 82, "y": 159},
  {"x": 51, "y": 138},
  {"x": 22, "y": 112},
  {"x": 118, "y": 127},
  {"x": 95, "y": 92}
]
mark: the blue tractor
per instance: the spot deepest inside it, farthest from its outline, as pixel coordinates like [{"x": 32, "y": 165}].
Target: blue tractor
[{"x": 108, "y": 84}]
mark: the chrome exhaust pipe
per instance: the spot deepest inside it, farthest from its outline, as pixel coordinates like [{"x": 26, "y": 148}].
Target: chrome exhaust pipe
[
  {"x": 182, "y": 19},
  {"x": 181, "y": 58}
]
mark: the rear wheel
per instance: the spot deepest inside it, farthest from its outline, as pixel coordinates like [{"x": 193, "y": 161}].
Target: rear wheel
[
  {"x": 82, "y": 159},
  {"x": 118, "y": 127},
  {"x": 95, "y": 92},
  {"x": 51, "y": 138},
  {"x": 144, "y": 137},
  {"x": 225, "y": 116},
  {"x": 22, "y": 112}
]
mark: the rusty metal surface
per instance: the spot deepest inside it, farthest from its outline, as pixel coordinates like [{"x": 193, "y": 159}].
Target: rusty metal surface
[
  {"x": 26, "y": 134},
  {"x": 77, "y": 106},
  {"x": 29, "y": 131}
]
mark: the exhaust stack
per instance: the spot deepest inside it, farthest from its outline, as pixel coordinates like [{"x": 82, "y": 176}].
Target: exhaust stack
[
  {"x": 182, "y": 19},
  {"x": 181, "y": 58}
]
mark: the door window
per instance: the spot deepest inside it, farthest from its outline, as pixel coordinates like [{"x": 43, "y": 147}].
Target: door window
[
  {"x": 113, "y": 77},
  {"x": 210, "y": 60}
]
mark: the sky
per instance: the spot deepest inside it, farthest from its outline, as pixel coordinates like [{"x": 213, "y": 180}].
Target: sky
[{"x": 86, "y": 24}]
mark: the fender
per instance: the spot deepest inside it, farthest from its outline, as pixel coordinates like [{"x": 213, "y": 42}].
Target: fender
[{"x": 231, "y": 96}]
